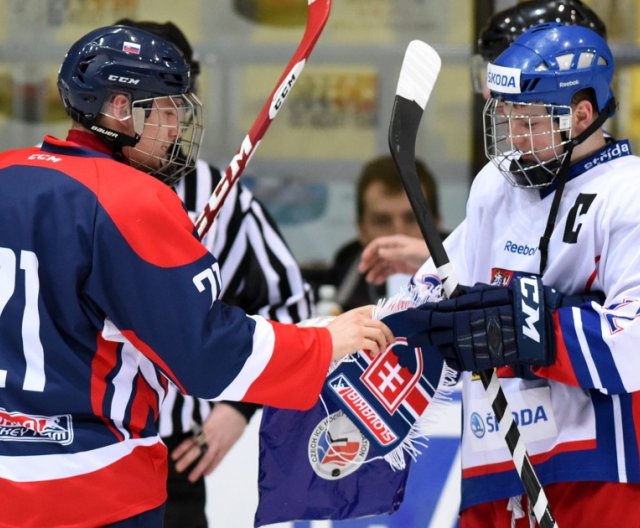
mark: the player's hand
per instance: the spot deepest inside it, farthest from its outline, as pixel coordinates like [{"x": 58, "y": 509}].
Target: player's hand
[
  {"x": 355, "y": 330},
  {"x": 387, "y": 255},
  {"x": 222, "y": 428},
  {"x": 495, "y": 326}
]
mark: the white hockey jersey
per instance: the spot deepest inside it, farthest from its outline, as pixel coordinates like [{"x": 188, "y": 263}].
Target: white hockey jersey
[{"x": 580, "y": 419}]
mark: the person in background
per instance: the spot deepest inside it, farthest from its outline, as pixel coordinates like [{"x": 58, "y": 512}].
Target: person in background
[
  {"x": 247, "y": 243},
  {"x": 385, "y": 256},
  {"x": 106, "y": 293},
  {"x": 382, "y": 209}
]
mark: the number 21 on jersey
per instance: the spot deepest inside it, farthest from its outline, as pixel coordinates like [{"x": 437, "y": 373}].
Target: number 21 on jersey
[{"x": 27, "y": 261}]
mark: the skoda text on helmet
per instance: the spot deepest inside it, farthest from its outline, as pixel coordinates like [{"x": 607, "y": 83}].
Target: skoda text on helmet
[
  {"x": 527, "y": 120},
  {"x": 506, "y": 25},
  {"x": 153, "y": 75}
]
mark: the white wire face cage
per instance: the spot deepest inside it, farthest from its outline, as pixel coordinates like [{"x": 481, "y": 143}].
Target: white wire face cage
[
  {"x": 526, "y": 141},
  {"x": 171, "y": 130}
]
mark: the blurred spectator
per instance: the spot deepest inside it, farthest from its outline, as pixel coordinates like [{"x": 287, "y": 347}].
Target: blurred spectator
[{"x": 382, "y": 209}]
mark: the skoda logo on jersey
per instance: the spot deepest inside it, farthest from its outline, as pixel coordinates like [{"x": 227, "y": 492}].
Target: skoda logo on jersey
[
  {"x": 503, "y": 80},
  {"x": 476, "y": 424}
]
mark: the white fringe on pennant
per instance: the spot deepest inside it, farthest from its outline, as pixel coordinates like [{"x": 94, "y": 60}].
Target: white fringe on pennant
[{"x": 417, "y": 439}]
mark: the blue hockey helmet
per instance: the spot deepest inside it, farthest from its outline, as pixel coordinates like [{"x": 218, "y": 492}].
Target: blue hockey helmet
[
  {"x": 152, "y": 73},
  {"x": 549, "y": 63},
  {"x": 119, "y": 59},
  {"x": 507, "y": 25},
  {"x": 534, "y": 80}
]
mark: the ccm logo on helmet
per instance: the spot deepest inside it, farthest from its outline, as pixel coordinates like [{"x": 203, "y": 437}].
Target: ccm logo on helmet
[
  {"x": 123, "y": 80},
  {"x": 503, "y": 80}
]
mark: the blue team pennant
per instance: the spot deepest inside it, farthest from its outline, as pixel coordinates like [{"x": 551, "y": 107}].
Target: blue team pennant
[
  {"x": 313, "y": 465},
  {"x": 349, "y": 455}
]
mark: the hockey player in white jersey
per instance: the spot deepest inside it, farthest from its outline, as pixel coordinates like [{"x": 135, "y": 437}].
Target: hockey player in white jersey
[
  {"x": 391, "y": 254},
  {"x": 551, "y": 220}
]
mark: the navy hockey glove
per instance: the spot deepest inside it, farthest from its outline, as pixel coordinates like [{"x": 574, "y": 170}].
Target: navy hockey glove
[{"x": 494, "y": 326}]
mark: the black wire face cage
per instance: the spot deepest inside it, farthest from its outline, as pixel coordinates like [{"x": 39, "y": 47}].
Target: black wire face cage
[
  {"x": 526, "y": 141},
  {"x": 171, "y": 130}
]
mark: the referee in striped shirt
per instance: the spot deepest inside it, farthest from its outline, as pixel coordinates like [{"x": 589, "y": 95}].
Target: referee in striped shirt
[{"x": 261, "y": 276}]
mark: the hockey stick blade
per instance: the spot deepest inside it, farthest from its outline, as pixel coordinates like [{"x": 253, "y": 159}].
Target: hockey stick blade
[
  {"x": 317, "y": 16},
  {"x": 418, "y": 75},
  {"x": 419, "y": 72}
]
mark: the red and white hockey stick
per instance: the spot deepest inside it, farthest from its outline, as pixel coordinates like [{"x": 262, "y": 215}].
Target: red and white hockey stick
[
  {"x": 317, "y": 16},
  {"x": 418, "y": 75}
]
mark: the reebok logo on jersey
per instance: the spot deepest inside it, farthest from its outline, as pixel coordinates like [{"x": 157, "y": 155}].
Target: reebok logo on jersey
[{"x": 513, "y": 247}]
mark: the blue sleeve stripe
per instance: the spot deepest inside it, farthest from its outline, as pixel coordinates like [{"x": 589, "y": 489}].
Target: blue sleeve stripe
[
  {"x": 574, "y": 349},
  {"x": 600, "y": 352}
]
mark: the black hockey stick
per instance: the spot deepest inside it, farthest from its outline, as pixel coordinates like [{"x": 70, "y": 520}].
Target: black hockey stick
[{"x": 418, "y": 75}]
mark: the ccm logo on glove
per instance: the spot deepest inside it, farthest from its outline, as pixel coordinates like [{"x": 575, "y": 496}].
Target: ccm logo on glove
[{"x": 530, "y": 306}]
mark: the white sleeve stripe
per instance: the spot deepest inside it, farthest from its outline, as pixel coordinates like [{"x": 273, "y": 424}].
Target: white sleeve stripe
[
  {"x": 123, "y": 387},
  {"x": 619, "y": 436},
  {"x": 48, "y": 467},
  {"x": 263, "y": 343}
]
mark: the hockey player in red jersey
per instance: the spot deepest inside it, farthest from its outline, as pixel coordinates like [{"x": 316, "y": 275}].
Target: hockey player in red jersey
[
  {"x": 554, "y": 215},
  {"x": 94, "y": 254}
]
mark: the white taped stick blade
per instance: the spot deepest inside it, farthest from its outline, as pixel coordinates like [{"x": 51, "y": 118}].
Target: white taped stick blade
[{"x": 420, "y": 69}]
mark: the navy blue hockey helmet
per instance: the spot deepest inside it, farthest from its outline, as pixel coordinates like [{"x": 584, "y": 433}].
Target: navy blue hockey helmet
[
  {"x": 151, "y": 72},
  {"x": 119, "y": 59}
]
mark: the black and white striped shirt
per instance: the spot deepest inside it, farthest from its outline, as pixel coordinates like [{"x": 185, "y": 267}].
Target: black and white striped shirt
[{"x": 259, "y": 274}]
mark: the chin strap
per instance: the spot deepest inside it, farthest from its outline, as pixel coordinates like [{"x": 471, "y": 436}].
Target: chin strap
[
  {"x": 562, "y": 180},
  {"x": 112, "y": 138}
]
